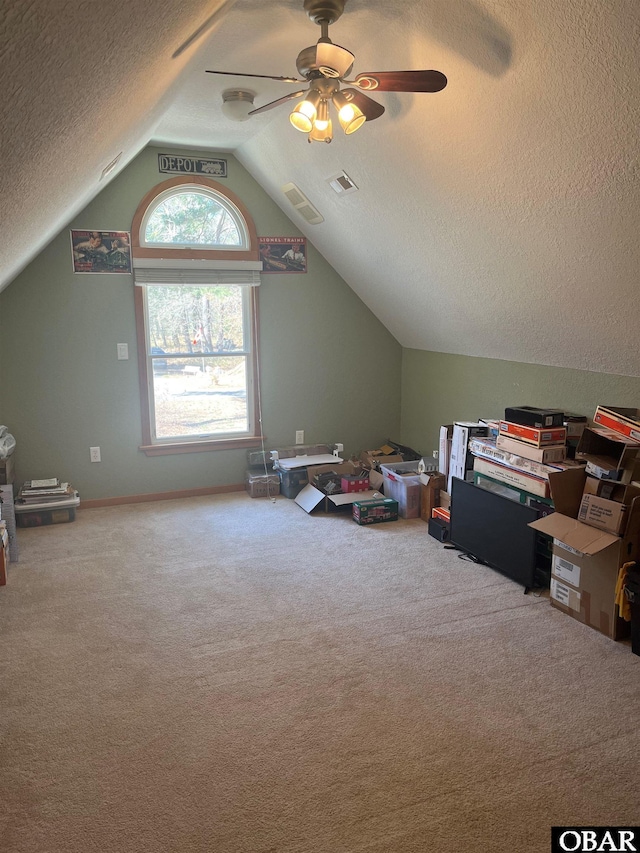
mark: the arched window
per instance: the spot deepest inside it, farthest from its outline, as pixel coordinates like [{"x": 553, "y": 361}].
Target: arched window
[
  {"x": 196, "y": 267},
  {"x": 193, "y": 215}
]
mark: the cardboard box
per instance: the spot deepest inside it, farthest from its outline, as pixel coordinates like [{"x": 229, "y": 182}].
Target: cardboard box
[
  {"x": 488, "y": 450},
  {"x": 375, "y": 510},
  {"x": 512, "y": 477},
  {"x": 445, "y": 499},
  {"x": 574, "y": 424},
  {"x": 587, "y": 560},
  {"x": 621, "y": 420},
  {"x": 261, "y": 485},
  {"x": 311, "y": 499},
  {"x": 533, "y": 435},
  {"x": 605, "y": 513},
  {"x": 461, "y": 460},
  {"x": 442, "y": 514},
  {"x": 530, "y": 416},
  {"x": 511, "y": 492},
  {"x": 7, "y": 472},
  {"x": 431, "y": 486},
  {"x": 445, "y": 438},
  {"x": 602, "y": 488},
  {"x": 543, "y": 455},
  {"x": 374, "y": 458},
  {"x": 608, "y": 454}
]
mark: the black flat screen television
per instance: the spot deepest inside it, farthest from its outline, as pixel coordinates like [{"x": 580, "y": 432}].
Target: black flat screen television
[{"x": 493, "y": 529}]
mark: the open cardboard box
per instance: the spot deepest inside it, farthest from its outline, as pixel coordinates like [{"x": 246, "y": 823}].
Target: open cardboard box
[
  {"x": 311, "y": 498},
  {"x": 608, "y": 454},
  {"x": 586, "y": 560}
]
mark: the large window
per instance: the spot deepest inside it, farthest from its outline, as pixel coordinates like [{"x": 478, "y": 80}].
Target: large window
[
  {"x": 196, "y": 304},
  {"x": 199, "y": 353}
]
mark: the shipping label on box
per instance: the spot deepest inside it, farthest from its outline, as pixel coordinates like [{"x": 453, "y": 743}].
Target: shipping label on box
[
  {"x": 565, "y": 571},
  {"x": 565, "y": 595}
]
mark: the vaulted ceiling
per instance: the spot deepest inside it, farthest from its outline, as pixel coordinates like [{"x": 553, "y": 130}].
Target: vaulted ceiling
[{"x": 499, "y": 217}]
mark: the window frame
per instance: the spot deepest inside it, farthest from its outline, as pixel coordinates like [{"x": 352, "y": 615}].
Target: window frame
[
  {"x": 197, "y": 188},
  {"x": 161, "y": 447}
]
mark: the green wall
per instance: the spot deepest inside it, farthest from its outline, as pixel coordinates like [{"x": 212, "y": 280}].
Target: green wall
[
  {"x": 438, "y": 388},
  {"x": 328, "y": 366}
]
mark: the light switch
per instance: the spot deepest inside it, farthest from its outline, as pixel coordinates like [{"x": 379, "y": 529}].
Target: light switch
[{"x": 123, "y": 352}]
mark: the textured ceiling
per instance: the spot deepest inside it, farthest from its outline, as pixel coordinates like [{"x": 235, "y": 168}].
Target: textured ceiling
[{"x": 497, "y": 218}]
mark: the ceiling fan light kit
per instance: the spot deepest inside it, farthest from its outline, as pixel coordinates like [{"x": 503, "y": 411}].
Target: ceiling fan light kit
[
  {"x": 237, "y": 104},
  {"x": 323, "y": 67}
]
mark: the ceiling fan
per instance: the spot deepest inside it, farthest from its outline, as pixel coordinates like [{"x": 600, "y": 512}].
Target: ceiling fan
[{"x": 324, "y": 67}]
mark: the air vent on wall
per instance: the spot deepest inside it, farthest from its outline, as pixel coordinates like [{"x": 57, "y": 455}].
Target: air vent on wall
[
  {"x": 111, "y": 166},
  {"x": 342, "y": 183},
  {"x": 302, "y": 204}
]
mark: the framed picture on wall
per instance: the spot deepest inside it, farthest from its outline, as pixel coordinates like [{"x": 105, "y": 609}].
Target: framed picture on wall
[
  {"x": 101, "y": 251},
  {"x": 283, "y": 254}
]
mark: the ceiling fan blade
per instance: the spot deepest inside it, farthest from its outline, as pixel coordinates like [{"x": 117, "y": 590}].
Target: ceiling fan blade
[
  {"x": 371, "y": 109},
  {"x": 277, "y": 103},
  {"x": 210, "y": 22},
  {"x": 401, "y": 81},
  {"x": 264, "y": 76}
]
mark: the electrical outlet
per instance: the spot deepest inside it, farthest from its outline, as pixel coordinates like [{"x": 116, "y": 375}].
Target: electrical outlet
[
  {"x": 123, "y": 352},
  {"x": 435, "y": 453},
  {"x": 94, "y": 453},
  {"x": 299, "y": 436}
]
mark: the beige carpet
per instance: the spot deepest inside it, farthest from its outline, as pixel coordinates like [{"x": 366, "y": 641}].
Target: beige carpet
[{"x": 224, "y": 674}]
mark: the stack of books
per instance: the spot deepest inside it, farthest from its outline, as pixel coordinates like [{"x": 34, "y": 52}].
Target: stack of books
[
  {"x": 46, "y": 493},
  {"x": 42, "y": 502}
]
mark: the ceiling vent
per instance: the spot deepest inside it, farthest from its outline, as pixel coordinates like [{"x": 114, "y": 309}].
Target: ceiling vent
[
  {"x": 111, "y": 166},
  {"x": 342, "y": 183},
  {"x": 302, "y": 204}
]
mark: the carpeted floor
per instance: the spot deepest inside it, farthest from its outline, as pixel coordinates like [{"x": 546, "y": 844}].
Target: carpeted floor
[{"x": 221, "y": 675}]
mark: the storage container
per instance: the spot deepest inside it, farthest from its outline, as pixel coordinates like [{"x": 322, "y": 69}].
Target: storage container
[
  {"x": 402, "y": 483},
  {"x": 262, "y": 485}
]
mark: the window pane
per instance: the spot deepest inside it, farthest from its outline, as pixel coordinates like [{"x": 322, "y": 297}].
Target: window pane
[
  {"x": 199, "y": 396},
  {"x": 196, "y": 319},
  {"x": 192, "y": 218}
]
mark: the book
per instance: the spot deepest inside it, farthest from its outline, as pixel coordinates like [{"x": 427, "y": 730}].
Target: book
[
  {"x": 62, "y": 489},
  {"x": 52, "y": 482}
]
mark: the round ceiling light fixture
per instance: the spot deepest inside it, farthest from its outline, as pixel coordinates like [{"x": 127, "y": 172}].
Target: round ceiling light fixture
[{"x": 237, "y": 104}]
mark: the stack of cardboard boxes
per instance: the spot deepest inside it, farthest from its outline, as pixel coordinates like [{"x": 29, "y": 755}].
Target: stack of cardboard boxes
[{"x": 596, "y": 523}]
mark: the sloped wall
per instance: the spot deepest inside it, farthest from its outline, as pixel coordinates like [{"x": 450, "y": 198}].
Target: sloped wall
[{"x": 328, "y": 366}]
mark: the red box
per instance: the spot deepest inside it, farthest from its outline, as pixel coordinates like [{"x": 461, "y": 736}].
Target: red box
[
  {"x": 533, "y": 435},
  {"x": 354, "y": 483},
  {"x": 624, "y": 421},
  {"x": 441, "y": 513}
]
